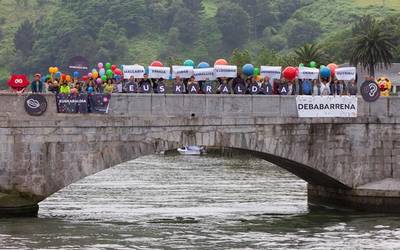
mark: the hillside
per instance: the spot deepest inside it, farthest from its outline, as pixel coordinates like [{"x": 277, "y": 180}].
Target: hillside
[{"x": 287, "y": 27}]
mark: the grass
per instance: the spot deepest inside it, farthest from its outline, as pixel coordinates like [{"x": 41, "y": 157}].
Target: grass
[{"x": 387, "y": 4}]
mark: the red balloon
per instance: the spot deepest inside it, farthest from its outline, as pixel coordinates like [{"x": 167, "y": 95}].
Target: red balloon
[
  {"x": 333, "y": 68},
  {"x": 290, "y": 73},
  {"x": 118, "y": 72},
  {"x": 221, "y": 62},
  {"x": 157, "y": 64},
  {"x": 113, "y": 67},
  {"x": 63, "y": 77},
  {"x": 85, "y": 78},
  {"x": 18, "y": 82}
]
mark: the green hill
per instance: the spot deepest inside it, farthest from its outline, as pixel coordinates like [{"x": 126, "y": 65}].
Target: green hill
[{"x": 148, "y": 30}]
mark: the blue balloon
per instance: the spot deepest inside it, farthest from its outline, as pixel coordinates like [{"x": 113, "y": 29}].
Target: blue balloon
[
  {"x": 203, "y": 65},
  {"x": 117, "y": 78},
  {"x": 146, "y": 71},
  {"x": 248, "y": 69},
  {"x": 307, "y": 87},
  {"x": 325, "y": 72},
  {"x": 58, "y": 75},
  {"x": 90, "y": 90},
  {"x": 76, "y": 74},
  {"x": 102, "y": 72}
]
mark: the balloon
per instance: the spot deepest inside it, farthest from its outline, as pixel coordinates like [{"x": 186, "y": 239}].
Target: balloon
[
  {"x": 313, "y": 64},
  {"x": 117, "y": 78},
  {"x": 94, "y": 70},
  {"x": 63, "y": 77},
  {"x": 74, "y": 91},
  {"x": 55, "y": 70},
  {"x": 118, "y": 72},
  {"x": 51, "y": 70},
  {"x": 85, "y": 78},
  {"x": 48, "y": 76},
  {"x": 108, "y": 65},
  {"x": 157, "y": 64},
  {"x": 58, "y": 74},
  {"x": 95, "y": 75},
  {"x": 189, "y": 63},
  {"x": 325, "y": 72},
  {"x": 68, "y": 78},
  {"x": 203, "y": 65},
  {"x": 102, "y": 72},
  {"x": 301, "y": 65},
  {"x": 100, "y": 65},
  {"x": 333, "y": 68},
  {"x": 221, "y": 62},
  {"x": 76, "y": 74},
  {"x": 109, "y": 73},
  {"x": 258, "y": 78},
  {"x": 256, "y": 71},
  {"x": 90, "y": 90},
  {"x": 100, "y": 80},
  {"x": 113, "y": 67},
  {"x": 290, "y": 73},
  {"x": 104, "y": 78},
  {"x": 90, "y": 75},
  {"x": 248, "y": 69}
]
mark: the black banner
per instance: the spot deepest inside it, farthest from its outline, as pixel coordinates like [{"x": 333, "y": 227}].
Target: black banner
[
  {"x": 72, "y": 104},
  {"x": 99, "y": 103}
]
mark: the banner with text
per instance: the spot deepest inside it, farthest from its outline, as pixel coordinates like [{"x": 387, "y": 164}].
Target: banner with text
[
  {"x": 182, "y": 71},
  {"x": 326, "y": 106},
  {"x": 308, "y": 73},
  {"x": 72, "y": 104},
  {"x": 346, "y": 74},
  {"x": 229, "y": 71},
  {"x": 159, "y": 72},
  {"x": 99, "y": 103},
  {"x": 204, "y": 74},
  {"x": 272, "y": 72},
  {"x": 137, "y": 71}
]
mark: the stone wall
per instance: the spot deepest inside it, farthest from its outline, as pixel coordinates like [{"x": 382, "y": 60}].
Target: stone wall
[{"x": 41, "y": 155}]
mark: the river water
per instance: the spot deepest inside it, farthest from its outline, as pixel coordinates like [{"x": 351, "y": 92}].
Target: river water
[{"x": 178, "y": 202}]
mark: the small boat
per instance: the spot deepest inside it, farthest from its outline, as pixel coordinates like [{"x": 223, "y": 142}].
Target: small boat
[{"x": 192, "y": 150}]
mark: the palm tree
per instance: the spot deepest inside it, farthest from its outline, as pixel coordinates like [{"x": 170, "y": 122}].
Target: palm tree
[
  {"x": 372, "y": 45},
  {"x": 309, "y": 53}
]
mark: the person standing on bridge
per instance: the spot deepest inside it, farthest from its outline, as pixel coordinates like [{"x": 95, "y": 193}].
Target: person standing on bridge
[{"x": 37, "y": 85}]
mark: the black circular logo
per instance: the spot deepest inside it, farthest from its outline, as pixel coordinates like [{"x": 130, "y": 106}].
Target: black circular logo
[
  {"x": 35, "y": 105},
  {"x": 370, "y": 91}
]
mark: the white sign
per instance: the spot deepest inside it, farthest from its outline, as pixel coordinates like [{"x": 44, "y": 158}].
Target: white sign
[
  {"x": 346, "y": 74},
  {"x": 182, "y": 71},
  {"x": 326, "y": 106},
  {"x": 159, "y": 72},
  {"x": 204, "y": 74},
  {"x": 272, "y": 72},
  {"x": 308, "y": 73},
  {"x": 136, "y": 71},
  {"x": 229, "y": 71}
]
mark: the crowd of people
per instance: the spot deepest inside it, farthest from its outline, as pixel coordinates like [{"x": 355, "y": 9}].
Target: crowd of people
[{"x": 239, "y": 85}]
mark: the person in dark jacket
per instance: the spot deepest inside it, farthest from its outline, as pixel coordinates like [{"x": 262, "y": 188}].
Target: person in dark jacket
[{"x": 37, "y": 84}]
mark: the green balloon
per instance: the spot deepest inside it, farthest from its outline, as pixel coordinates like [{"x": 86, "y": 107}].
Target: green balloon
[
  {"x": 109, "y": 73},
  {"x": 313, "y": 64},
  {"x": 104, "y": 78},
  {"x": 301, "y": 65},
  {"x": 108, "y": 65},
  {"x": 256, "y": 71},
  {"x": 189, "y": 63}
]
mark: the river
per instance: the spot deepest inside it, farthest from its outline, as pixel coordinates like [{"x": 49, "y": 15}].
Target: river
[{"x": 177, "y": 202}]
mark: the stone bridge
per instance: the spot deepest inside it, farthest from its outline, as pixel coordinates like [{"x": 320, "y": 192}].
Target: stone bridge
[{"x": 351, "y": 162}]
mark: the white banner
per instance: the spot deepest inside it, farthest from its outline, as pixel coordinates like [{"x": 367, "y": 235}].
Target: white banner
[
  {"x": 308, "y": 73},
  {"x": 204, "y": 74},
  {"x": 271, "y": 71},
  {"x": 182, "y": 71},
  {"x": 159, "y": 72},
  {"x": 326, "y": 106},
  {"x": 136, "y": 71},
  {"x": 346, "y": 74},
  {"x": 229, "y": 71}
]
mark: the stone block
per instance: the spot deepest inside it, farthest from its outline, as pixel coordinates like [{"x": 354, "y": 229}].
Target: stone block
[{"x": 266, "y": 106}]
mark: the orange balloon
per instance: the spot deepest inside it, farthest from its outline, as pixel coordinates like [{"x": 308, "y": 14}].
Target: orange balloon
[
  {"x": 95, "y": 75},
  {"x": 55, "y": 70},
  {"x": 68, "y": 78},
  {"x": 332, "y": 66},
  {"x": 221, "y": 62}
]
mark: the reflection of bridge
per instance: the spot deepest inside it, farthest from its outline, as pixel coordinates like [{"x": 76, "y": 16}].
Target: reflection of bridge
[{"x": 339, "y": 158}]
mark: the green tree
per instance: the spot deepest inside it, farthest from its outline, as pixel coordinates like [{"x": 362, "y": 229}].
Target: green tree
[
  {"x": 372, "y": 45},
  {"x": 112, "y": 43},
  {"x": 302, "y": 32},
  {"x": 234, "y": 24},
  {"x": 311, "y": 52},
  {"x": 24, "y": 38},
  {"x": 240, "y": 57},
  {"x": 188, "y": 26}
]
